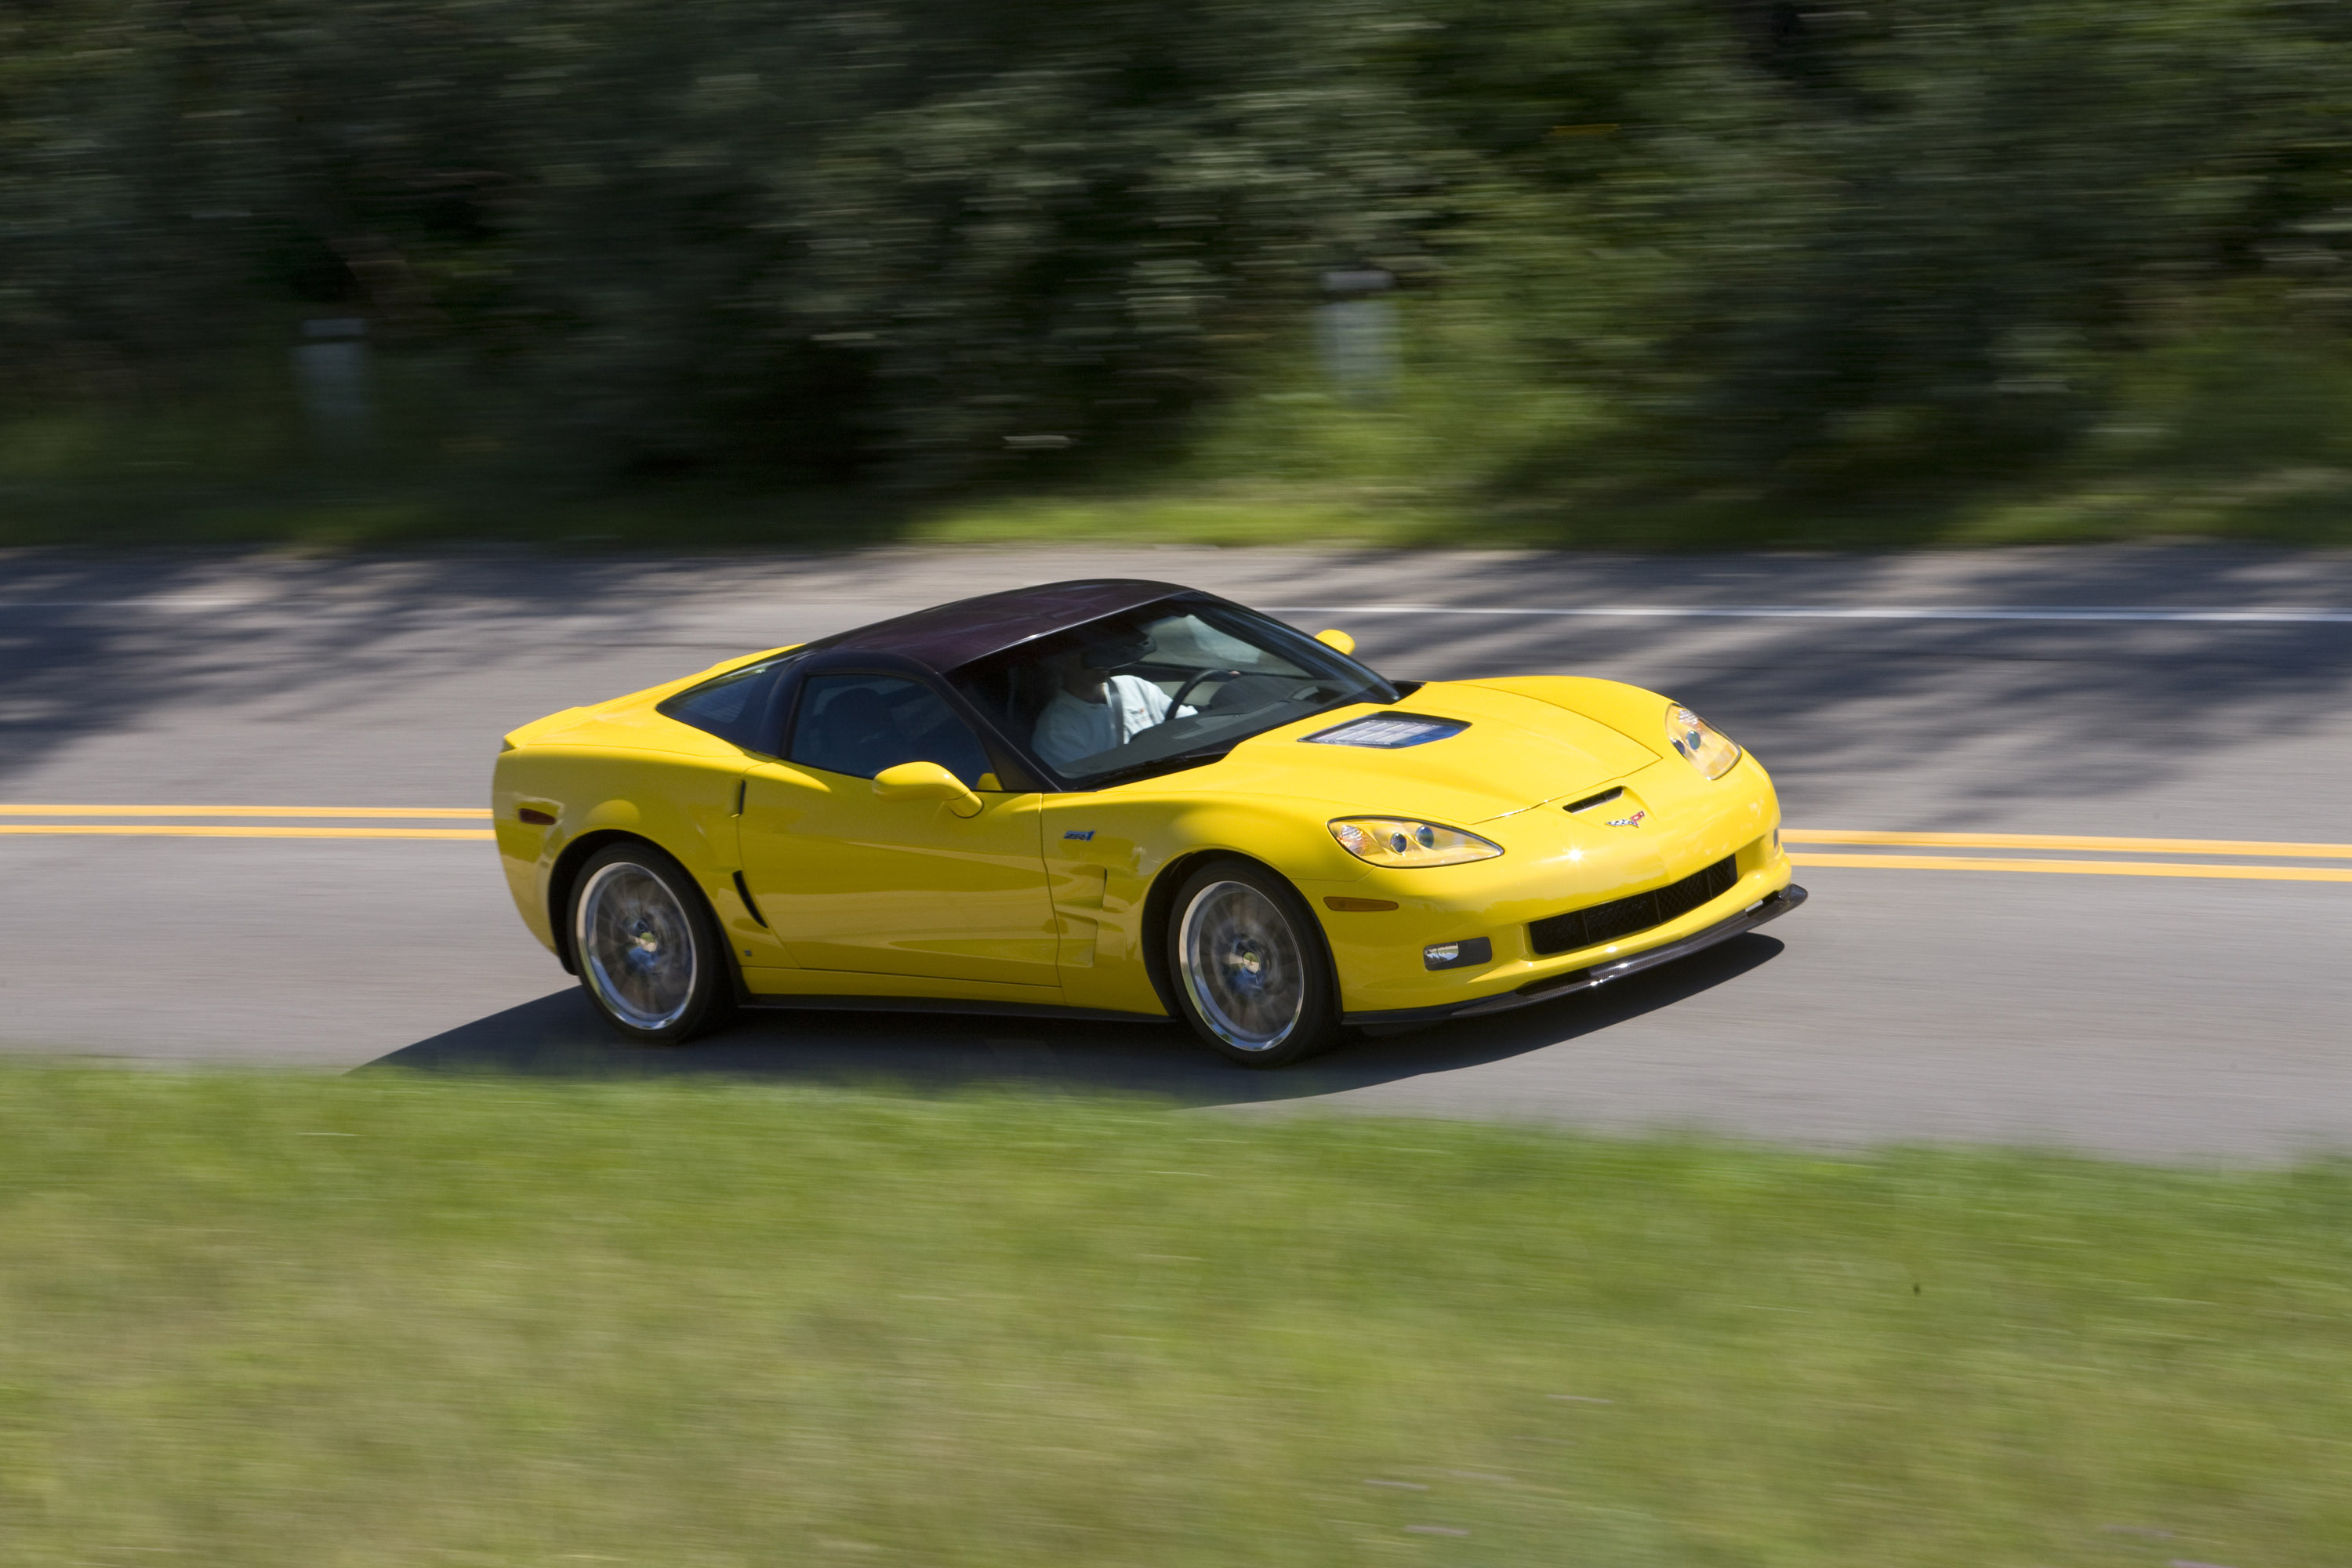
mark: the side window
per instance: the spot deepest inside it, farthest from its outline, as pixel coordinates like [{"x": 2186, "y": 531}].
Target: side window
[
  {"x": 733, "y": 706},
  {"x": 861, "y": 724}
]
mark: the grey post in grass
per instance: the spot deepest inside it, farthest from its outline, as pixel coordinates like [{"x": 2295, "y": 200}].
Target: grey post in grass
[
  {"x": 1355, "y": 334},
  {"x": 333, "y": 372}
]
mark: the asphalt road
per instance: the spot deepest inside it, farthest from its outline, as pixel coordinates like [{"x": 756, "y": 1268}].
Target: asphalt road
[{"x": 2045, "y": 692}]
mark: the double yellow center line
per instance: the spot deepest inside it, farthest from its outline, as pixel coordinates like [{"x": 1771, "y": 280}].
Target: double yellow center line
[
  {"x": 292, "y": 822},
  {"x": 2219, "y": 858},
  {"x": 2050, "y": 845}
]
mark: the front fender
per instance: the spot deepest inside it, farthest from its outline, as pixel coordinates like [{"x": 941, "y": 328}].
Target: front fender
[
  {"x": 1633, "y": 711},
  {"x": 1106, "y": 854}
]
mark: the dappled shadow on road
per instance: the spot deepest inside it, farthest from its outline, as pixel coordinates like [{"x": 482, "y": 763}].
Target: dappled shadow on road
[
  {"x": 560, "y": 1035},
  {"x": 374, "y": 654}
]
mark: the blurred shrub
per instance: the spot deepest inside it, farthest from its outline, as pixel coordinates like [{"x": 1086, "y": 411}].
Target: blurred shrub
[
  {"x": 815, "y": 237},
  {"x": 1737, "y": 242}
]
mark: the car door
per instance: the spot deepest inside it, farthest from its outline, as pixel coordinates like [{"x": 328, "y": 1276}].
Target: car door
[{"x": 851, "y": 881}]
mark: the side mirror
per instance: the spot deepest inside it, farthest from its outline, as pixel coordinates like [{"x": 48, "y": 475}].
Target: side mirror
[
  {"x": 1337, "y": 639},
  {"x": 927, "y": 781}
]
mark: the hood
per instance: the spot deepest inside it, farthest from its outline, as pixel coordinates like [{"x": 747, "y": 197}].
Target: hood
[{"x": 1516, "y": 752}]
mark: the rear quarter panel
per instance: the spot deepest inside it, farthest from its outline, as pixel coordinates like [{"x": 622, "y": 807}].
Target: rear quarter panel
[{"x": 598, "y": 778}]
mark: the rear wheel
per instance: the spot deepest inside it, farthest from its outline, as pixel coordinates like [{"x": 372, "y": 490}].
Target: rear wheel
[
  {"x": 1253, "y": 976},
  {"x": 650, "y": 954}
]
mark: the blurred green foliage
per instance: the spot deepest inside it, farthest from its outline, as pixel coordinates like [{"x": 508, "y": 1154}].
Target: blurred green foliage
[{"x": 1729, "y": 260}]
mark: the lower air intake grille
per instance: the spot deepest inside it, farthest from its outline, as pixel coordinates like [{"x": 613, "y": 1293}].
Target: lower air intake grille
[{"x": 1623, "y": 917}]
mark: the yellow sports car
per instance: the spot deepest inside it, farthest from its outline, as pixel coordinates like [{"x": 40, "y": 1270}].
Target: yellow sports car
[{"x": 1130, "y": 800}]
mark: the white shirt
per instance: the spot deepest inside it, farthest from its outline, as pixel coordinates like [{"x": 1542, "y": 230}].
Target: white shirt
[{"x": 1071, "y": 728}]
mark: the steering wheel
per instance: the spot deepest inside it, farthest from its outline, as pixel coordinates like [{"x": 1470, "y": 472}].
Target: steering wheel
[{"x": 1186, "y": 689}]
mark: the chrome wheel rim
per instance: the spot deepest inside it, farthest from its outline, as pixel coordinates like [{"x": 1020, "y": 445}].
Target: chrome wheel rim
[
  {"x": 636, "y": 945},
  {"x": 1242, "y": 964}
]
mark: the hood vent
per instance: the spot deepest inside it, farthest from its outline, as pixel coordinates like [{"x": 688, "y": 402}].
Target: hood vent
[
  {"x": 1387, "y": 732},
  {"x": 1590, "y": 800}
]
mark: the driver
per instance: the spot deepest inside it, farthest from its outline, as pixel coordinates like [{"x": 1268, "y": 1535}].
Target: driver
[{"x": 1094, "y": 710}]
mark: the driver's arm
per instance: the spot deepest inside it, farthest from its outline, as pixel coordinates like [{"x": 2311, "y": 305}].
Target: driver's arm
[{"x": 1149, "y": 699}]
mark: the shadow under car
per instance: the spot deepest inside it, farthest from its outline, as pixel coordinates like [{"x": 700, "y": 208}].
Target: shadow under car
[{"x": 559, "y": 1034}]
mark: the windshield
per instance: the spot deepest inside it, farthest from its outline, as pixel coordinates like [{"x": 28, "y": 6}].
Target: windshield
[{"x": 1160, "y": 687}]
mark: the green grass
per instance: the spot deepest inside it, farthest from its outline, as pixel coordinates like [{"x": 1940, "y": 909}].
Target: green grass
[
  {"x": 2304, "y": 505},
  {"x": 257, "y": 1320},
  {"x": 2301, "y": 505}
]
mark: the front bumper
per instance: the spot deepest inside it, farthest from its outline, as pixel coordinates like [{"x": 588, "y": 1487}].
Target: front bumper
[{"x": 1770, "y": 908}]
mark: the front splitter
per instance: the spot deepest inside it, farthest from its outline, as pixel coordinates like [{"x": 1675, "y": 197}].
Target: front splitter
[{"x": 1770, "y": 908}]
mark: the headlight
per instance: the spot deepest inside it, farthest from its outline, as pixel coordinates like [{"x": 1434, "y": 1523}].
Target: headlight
[
  {"x": 1705, "y": 747},
  {"x": 1400, "y": 841}
]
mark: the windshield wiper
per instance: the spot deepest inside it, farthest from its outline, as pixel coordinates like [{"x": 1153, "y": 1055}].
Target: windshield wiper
[
  {"x": 1171, "y": 763},
  {"x": 1193, "y": 759}
]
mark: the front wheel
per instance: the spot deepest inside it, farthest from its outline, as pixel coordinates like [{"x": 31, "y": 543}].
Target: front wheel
[
  {"x": 650, "y": 954},
  {"x": 1253, "y": 976}
]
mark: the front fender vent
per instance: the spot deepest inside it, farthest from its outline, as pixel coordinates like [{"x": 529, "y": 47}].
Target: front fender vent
[{"x": 1598, "y": 923}]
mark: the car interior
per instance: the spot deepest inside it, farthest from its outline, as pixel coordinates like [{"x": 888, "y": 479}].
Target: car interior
[
  {"x": 861, "y": 724},
  {"x": 1216, "y": 681}
]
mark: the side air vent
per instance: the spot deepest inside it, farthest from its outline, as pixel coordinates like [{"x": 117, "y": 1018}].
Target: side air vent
[
  {"x": 1590, "y": 800},
  {"x": 1625, "y": 917},
  {"x": 743, "y": 891}
]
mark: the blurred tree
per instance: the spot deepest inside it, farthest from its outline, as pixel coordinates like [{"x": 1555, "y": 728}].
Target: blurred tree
[
  {"x": 917, "y": 242},
  {"x": 821, "y": 236},
  {"x": 1821, "y": 245}
]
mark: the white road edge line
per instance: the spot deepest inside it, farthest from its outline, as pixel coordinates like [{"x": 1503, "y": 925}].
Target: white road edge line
[
  {"x": 131, "y": 603},
  {"x": 1845, "y": 613},
  {"x": 2225, "y": 615}
]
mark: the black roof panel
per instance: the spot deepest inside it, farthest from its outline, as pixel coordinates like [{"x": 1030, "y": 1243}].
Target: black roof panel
[{"x": 948, "y": 636}]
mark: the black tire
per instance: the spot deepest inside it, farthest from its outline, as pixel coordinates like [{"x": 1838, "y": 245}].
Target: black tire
[
  {"x": 649, "y": 952},
  {"x": 1250, "y": 968}
]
